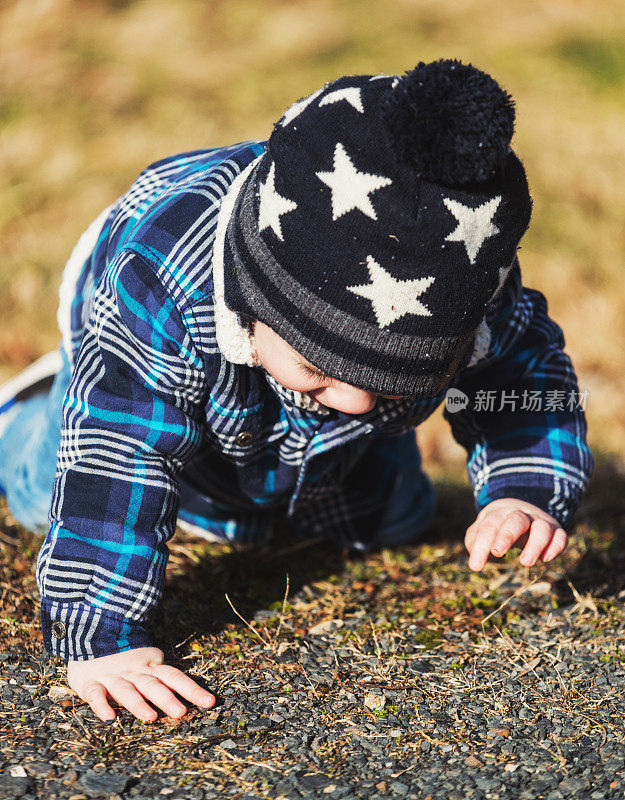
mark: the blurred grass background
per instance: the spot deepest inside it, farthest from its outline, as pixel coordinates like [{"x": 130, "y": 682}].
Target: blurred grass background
[{"x": 91, "y": 92}]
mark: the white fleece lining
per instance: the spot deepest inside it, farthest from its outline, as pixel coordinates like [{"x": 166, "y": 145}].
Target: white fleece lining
[
  {"x": 71, "y": 273},
  {"x": 233, "y": 339},
  {"x": 481, "y": 343}
]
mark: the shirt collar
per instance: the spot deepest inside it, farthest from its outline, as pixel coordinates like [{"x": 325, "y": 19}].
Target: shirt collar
[{"x": 299, "y": 399}]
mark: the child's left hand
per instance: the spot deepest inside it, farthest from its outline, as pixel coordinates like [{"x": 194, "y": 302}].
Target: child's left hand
[{"x": 502, "y": 522}]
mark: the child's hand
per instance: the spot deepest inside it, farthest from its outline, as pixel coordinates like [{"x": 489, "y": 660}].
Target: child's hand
[
  {"x": 131, "y": 676},
  {"x": 502, "y": 522}
]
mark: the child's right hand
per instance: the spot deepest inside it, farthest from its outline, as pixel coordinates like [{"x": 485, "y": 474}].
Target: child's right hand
[{"x": 129, "y": 677}]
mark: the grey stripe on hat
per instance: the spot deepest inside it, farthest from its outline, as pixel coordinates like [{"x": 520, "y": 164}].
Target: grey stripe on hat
[{"x": 355, "y": 373}]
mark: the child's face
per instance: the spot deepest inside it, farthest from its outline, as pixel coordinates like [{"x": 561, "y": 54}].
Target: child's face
[{"x": 292, "y": 370}]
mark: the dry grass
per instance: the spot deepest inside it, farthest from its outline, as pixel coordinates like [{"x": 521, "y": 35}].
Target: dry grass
[{"x": 389, "y": 609}]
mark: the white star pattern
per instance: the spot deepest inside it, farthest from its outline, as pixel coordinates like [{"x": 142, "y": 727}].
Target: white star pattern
[
  {"x": 351, "y": 188},
  {"x": 390, "y": 297},
  {"x": 475, "y": 225},
  {"x": 272, "y": 205},
  {"x": 351, "y": 94},
  {"x": 296, "y": 109}
]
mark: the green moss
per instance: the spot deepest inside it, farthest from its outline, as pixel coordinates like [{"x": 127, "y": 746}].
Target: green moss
[
  {"x": 277, "y": 606},
  {"x": 495, "y": 620},
  {"x": 484, "y": 602},
  {"x": 428, "y": 638},
  {"x": 384, "y": 712}
]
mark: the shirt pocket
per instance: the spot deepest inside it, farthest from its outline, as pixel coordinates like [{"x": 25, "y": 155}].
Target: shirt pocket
[
  {"x": 243, "y": 432},
  {"x": 236, "y": 433}
]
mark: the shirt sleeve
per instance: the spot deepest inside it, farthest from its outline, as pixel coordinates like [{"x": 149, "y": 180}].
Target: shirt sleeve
[
  {"x": 131, "y": 420},
  {"x": 523, "y": 425}
]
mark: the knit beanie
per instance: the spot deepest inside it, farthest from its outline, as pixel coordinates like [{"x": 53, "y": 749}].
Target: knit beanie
[{"x": 380, "y": 223}]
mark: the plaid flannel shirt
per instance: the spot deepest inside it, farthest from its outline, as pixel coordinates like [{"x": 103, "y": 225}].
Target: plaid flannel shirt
[{"x": 153, "y": 404}]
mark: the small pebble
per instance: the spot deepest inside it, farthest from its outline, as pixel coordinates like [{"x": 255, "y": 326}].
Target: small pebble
[
  {"x": 58, "y": 693},
  {"x": 325, "y": 627},
  {"x": 374, "y": 702}
]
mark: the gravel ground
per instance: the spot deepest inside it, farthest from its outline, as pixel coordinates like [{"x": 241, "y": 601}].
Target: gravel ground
[{"x": 397, "y": 675}]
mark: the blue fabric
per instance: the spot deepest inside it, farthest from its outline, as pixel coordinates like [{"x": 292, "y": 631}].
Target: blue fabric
[
  {"x": 153, "y": 407},
  {"x": 28, "y": 454},
  {"x": 28, "y": 450},
  {"x": 395, "y": 463}
]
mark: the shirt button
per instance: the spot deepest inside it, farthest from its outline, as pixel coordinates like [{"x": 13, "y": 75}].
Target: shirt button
[
  {"x": 58, "y": 629},
  {"x": 244, "y": 438}
]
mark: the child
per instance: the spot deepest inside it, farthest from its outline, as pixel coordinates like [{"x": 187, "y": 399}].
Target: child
[{"x": 253, "y": 332}]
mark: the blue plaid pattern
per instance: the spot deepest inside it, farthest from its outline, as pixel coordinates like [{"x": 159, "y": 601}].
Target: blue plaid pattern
[
  {"x": 538, "y": 456},
  {"x": 153, "y": 413}
]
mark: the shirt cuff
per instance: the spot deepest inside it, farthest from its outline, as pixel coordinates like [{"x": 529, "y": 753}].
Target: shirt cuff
[
  {"x": 560, "y": 499},
  {"x": 79, "y": 631}
]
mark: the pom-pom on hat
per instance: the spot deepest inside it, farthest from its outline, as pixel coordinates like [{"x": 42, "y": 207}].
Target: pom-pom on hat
[
  {"x": 380, "y": 223},
  {"x": 450, "y": 122}
]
